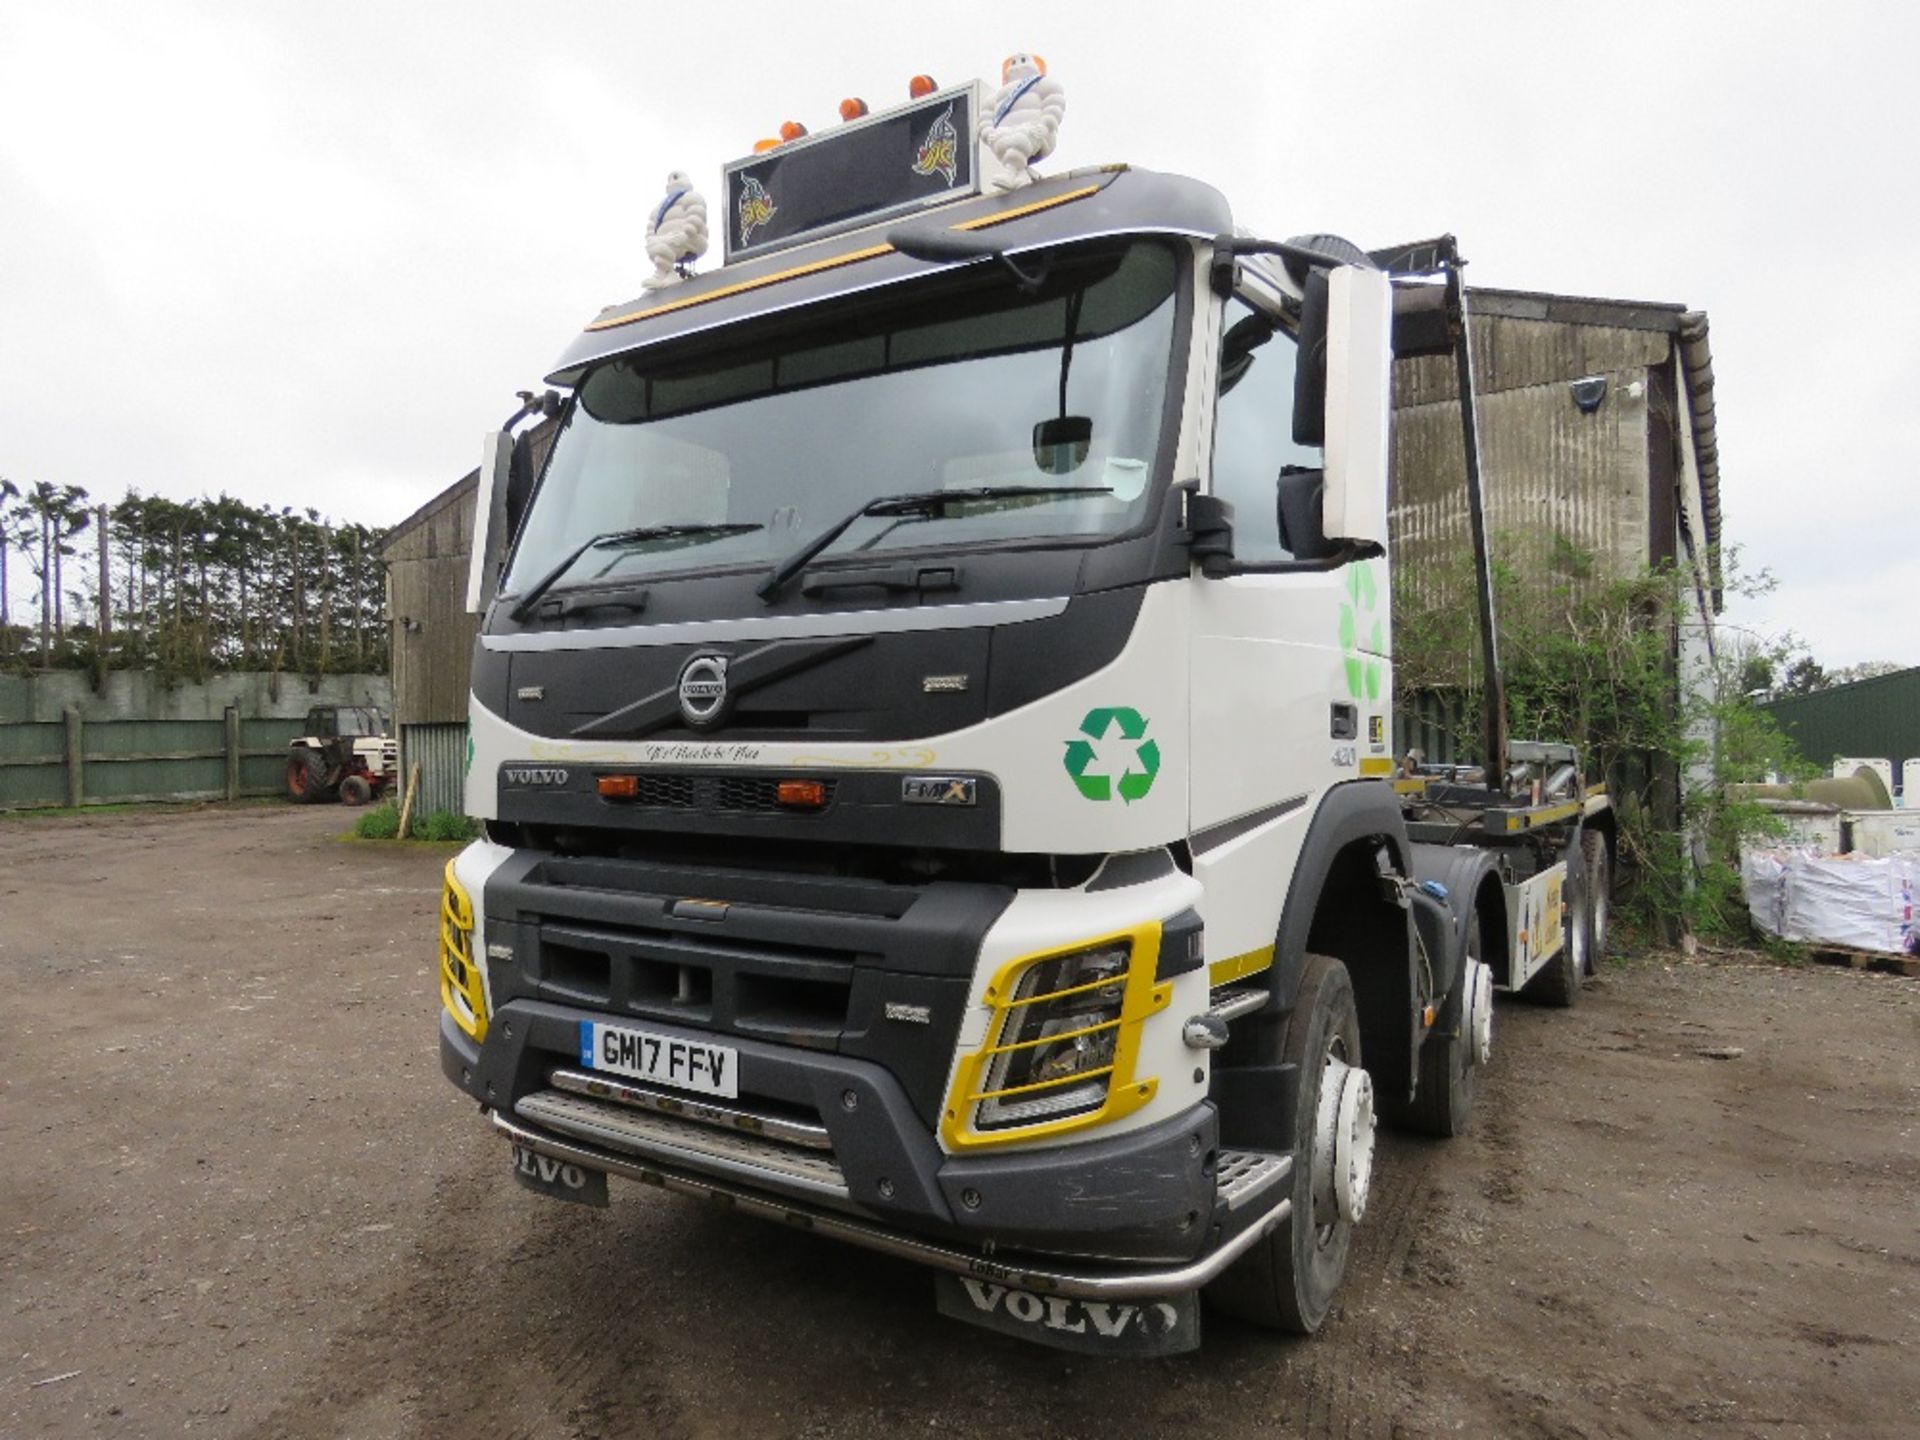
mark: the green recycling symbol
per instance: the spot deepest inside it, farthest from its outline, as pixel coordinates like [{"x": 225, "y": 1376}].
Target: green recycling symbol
[
  {"x": 1136, "y": 774},
  {"x": 1366, "y": 674}
]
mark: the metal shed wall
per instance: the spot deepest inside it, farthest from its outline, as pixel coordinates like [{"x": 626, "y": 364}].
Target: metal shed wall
[
  {"x": 441, "y": 753},
  {"x": 1879, "y": 718},
  {"x": 1554, "y": 476},
  {"x": 427, "y": 600}
]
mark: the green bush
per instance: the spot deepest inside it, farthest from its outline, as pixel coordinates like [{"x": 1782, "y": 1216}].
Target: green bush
[
  {"x": 380, "y": 823},
  {"x": 1589, "y": 657},
  {"x": 444, "y": 825}
]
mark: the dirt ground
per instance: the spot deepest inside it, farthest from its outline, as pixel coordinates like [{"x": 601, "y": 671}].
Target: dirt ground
[{"x": 239, "y": 1200}]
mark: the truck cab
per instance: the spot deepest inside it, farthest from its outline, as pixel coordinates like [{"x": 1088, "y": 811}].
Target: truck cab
[{"x": 932, "y": 722}]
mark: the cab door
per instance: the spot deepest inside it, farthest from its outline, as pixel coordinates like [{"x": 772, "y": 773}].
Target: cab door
[{"x": 1289, "y": 683}]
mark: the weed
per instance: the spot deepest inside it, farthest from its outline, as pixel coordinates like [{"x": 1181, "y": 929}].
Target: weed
[
  {"x": 380, "y": 823},
  {"x": 1591, "y": 657},
  {"x": 445, "y": 825}
]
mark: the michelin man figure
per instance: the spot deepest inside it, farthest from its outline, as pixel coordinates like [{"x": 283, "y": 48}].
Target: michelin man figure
[
  {"x": 1023, "y": 119},
  {"x": 676, "y": 233}
]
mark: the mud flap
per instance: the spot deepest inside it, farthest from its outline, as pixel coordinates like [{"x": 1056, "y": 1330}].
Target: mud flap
[
  {"x": 1165, "y": 1326},
  {"x": 559, "y": 1179}
]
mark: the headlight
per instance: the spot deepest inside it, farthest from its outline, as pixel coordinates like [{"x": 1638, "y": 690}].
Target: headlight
[
  {"x": 461, "y": 990},
  {"x": 1055, "y": 1053}
]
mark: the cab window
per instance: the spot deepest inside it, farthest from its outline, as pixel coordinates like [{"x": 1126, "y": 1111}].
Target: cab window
[{"x": 1253, "y": 430}]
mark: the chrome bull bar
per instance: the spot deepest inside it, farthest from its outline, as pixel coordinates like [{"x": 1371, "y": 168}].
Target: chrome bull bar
[{"x": 1079, "y": 1284}]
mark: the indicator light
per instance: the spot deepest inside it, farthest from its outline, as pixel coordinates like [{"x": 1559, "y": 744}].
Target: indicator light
[
  {"x": 619, "y": 787},
  {"x": 852, "y": 108},
  {"x": 802, "y": 794},
  {"x": 921, "y": 86},
  {"x": 792, "y": 130}
]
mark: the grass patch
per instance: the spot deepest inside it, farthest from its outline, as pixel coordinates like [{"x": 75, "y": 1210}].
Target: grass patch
[{"x": 382, "y": 822}]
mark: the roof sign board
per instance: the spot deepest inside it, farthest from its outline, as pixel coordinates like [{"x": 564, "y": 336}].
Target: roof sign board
[{"x": 890, "y": 163}]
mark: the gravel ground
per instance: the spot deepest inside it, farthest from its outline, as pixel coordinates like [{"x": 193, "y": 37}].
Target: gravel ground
[{"x": 240, "y": 1200}]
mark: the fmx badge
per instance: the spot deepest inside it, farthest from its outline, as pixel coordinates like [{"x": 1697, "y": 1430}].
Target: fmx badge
[
  {"x": 939, "y": 152},
  {"x": 1112, "y": 756},
  {"x": 756, "y": 208}
]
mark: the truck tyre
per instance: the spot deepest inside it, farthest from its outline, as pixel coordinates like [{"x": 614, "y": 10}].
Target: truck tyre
[
  {"x": 1559, "y": 984},
  {"x": 1443, "y": 1105},
  {"x": 354, "y": 790},
  {"x": 1288, "y": 1280},
  {"x": 306, "y": 777},
  {"x": 1599, "y": 897}
]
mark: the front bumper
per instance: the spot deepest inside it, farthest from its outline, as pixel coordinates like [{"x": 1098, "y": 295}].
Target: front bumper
[
  {"x": 1074, "y": 1281},
  {"x": 1150, "y": 1196}
]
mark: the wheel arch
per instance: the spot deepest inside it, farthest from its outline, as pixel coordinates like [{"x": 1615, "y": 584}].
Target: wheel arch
[
  {"x": 1336, "y": 907},
  {"x": 1471, "y": 878}
]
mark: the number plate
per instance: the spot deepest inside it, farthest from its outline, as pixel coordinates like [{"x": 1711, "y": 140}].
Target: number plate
[{"x": 683, "y": 1064}]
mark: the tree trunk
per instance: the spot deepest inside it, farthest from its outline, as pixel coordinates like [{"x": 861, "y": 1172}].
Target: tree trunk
[
  {"x": 106, "y": 583},
  {"x": 46, "y": 605}
]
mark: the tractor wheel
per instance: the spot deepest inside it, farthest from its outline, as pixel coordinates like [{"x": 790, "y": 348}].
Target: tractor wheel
[
  {"x": 306, "y": 777},
  {"x": 1288, "y": 1280},
  {"x": 354, "y": 790}
]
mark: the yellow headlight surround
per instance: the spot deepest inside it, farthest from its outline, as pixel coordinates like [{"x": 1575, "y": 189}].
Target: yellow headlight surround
[
  {"x": 461, "y": 990},
  {"x": 1126, "y": 1093}
]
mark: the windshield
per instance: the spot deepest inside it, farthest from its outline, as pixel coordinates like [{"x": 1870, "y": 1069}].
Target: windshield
[
  {"x": 356, "y": 721},
  {"x": 967, "y": 383}
]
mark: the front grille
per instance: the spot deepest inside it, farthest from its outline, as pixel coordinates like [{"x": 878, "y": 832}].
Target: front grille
[
  {"x": 783, "y": 957},
  {"x": 795, "y": 993},
  {"x": 736, "y": 794}
]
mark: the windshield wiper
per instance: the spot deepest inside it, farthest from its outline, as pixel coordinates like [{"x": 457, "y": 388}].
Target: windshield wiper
[
  {"x": 928, "y": 502},
  {"x": 524, "y": 606}
]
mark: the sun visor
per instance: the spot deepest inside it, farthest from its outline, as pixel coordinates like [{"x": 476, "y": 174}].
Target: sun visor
[{"x": 1082, "y": 205}]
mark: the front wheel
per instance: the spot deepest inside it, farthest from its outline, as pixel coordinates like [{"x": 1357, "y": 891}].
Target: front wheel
[{"x": 1289, "y": 1279}]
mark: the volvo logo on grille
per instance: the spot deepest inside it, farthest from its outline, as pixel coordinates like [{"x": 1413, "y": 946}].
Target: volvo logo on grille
[
  {"x": 535, "y": 775},
  {"x": 703, "y": 691}
]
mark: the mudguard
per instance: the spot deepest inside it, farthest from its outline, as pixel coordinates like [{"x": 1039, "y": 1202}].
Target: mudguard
[
  {"x": 1463, "y": 872},
  {"x": 1358, "y": 810}
]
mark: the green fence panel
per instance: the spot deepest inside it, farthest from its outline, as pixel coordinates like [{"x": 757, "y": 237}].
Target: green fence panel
[
  {"x": 33, "y": 769},
  {"x": 145, "y": 759},
  {"x": 263, "y": 754}
]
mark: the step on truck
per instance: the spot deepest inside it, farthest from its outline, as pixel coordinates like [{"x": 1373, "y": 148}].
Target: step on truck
[{"x": 932, "y": 725}]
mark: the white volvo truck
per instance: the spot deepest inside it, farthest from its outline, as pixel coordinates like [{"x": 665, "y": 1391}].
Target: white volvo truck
[{"x": 931, "y": 721}]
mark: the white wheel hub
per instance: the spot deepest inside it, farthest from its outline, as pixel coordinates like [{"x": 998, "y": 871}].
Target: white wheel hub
[
  {"x": 1479, "y": 1017},
  {"x": 1343, "y": 1142}
]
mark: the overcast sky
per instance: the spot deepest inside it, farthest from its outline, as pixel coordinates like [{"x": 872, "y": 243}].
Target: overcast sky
[{"x": 306, "y": 254}]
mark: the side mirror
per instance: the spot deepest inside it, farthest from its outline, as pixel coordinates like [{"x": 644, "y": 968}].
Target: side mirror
[
  {"x": 489, "y": 522},
  {"x": 1359, "y": 380},
  {"x": 1310, "y": 370},
  {"x": 1299, "y": 498},
  {"x": 519, "y": 483}
]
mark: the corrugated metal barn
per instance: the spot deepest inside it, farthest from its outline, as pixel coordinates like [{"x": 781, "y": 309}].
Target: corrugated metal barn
[
  {"x": 433, "y": 634},
  {"x": 1869, "y": 719},
  {"x": 426, "y": 557},
  {"x": 1597, "y": 434}
]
